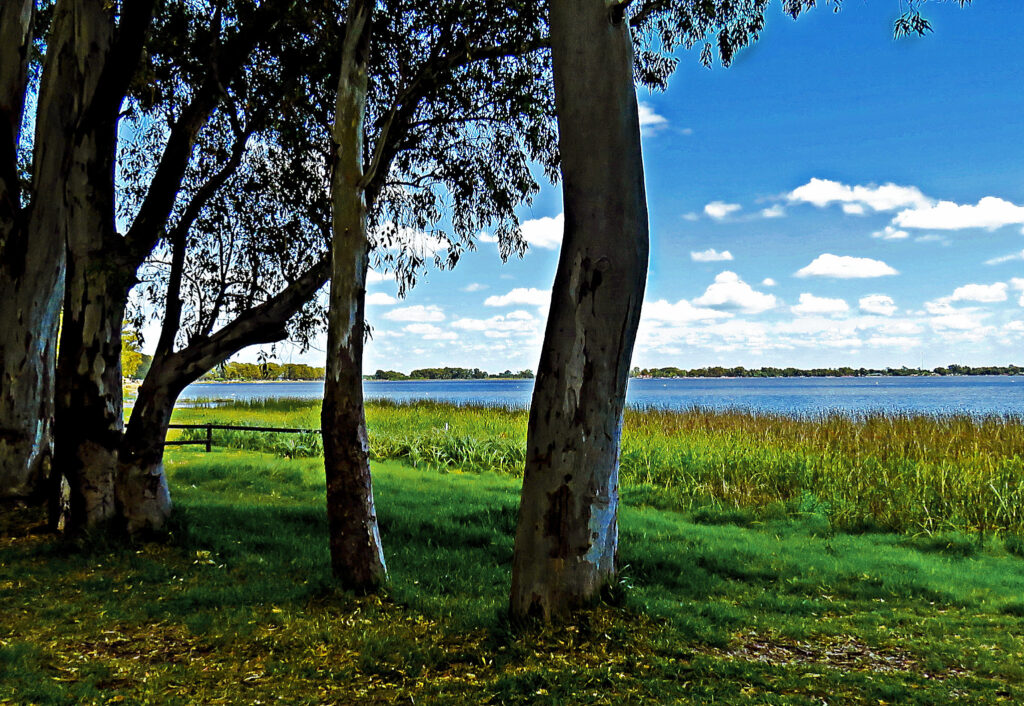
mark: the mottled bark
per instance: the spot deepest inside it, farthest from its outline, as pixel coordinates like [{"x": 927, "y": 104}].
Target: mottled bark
[
  {"x": 357, "y": 557},
  {"x": 88, "y": 419},
  {"x": 26, "y": 313},
  {"x": 567, "y": 536}
]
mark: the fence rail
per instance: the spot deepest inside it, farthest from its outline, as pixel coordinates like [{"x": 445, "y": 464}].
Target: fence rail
[{"x": 208, "y": 441}]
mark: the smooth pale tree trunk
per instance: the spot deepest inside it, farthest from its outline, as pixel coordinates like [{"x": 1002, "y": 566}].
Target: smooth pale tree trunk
[
  {"x": 357, "y": 557},
  {"x": 88, "y": 420},
  {"x": 567, "y": 535},
  {"x": 143, "y": 497}
]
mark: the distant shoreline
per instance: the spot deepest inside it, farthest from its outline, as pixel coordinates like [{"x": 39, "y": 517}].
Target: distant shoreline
[{"x": 642, "y": 377}]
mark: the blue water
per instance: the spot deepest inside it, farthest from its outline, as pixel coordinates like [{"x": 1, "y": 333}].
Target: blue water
[{"x": 972, "y": 395}]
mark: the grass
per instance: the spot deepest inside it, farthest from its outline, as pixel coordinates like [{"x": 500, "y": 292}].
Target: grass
[
  {"x": 917, "y": 474},
  {"x": 238, "y": 606}
]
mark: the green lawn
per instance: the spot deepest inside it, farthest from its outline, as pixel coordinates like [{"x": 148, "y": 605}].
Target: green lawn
[{"x": 238, "y": 606}]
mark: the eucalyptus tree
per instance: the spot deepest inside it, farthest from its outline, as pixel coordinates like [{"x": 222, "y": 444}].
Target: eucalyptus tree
[
  {"x": 439, "y": 104},
  {"x": 567, "y": 534},
  {"x": 243, "y": 250},
  {"x": 91, "y": 49}
]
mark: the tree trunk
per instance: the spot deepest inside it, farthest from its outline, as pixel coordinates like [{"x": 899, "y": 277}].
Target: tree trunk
[
  {"x": 28, "y": 313},
  {"x": 567, "y": 535},
  {"x": 88, "y": 420},
  {"x": 143, "y": 497},
  {"x": 356, "y": 554}
]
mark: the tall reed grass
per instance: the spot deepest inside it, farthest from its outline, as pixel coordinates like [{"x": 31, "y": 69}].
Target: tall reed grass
[{"x": 898, "y": 472}]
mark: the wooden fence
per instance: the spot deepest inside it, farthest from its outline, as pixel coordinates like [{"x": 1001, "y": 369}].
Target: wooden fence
[{"x": 208, "y": 441}]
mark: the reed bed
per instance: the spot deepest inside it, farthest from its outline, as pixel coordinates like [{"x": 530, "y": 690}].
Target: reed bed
[{"x": 891, "y": 472}]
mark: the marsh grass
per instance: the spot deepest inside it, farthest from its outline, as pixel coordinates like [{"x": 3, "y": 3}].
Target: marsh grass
[
  {"x": 873, "y": 472},
  {"x": 238, "y": 606}
]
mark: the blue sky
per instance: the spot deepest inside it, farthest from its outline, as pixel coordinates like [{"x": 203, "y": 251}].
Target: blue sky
[{"x": 834, "y": 198}]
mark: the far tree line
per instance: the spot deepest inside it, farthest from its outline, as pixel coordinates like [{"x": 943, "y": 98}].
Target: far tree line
[{"x": 716, "y": 371}]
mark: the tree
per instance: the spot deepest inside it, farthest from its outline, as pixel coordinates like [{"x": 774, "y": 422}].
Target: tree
[
  {"x": 457, "y": 113},
  {"x": 566, "y": 539},
  {"x": 567, "y": 532},
  {"x": 91, "y": 50}
]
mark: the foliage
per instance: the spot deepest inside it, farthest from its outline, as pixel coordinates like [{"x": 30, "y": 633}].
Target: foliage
[
  {"x": 267, "y": 370},
  {"x": 450, "y": 374},
  {"x": 898, "y": 472},
  {"x": 238, "y": 606}
]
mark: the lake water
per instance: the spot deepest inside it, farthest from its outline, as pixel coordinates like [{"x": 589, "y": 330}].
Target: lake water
[{"x": 942, "y": 395}]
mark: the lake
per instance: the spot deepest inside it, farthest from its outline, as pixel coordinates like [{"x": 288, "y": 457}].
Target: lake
[{"x": 976, "y": 395}]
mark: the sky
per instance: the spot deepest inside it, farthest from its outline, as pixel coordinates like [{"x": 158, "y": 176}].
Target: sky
[{"x": 836, "y": 197}]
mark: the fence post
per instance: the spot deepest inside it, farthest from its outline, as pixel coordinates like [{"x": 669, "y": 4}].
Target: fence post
[{"x": 209, "y": 437}]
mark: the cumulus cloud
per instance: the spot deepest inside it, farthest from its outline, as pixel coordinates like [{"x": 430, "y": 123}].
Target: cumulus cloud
[
  {"x": 720, "y": 209},
  {"x": 394, "y": 238},
  {"x": 374, "y": 277},
  {"x": 417, "y": 313},
  {"x": 710, "y": 255},
  {"x": 545, "y": 233},
  {"x": 430, "y": 332},
  {"x": 650, "y": 121},
  {"x": 857, "y": 199},
  {"x": 514, "y": 323},
  {"x": 520, "y": 295},
  {"x": 990, "y": 212},
  {"x": 880, "y": 304},
  {"x": 1005, "y": 258},
  {"x": 984, "y": 293},
  {"x": 1018, "y": 284},
  {"x": 380, "y": 299},
  {"x": 890, "y": 233},
  {"x": 776, "y": 211},
  {"x": 845, "y": 267},
  {"x": 810, "y": 305},
  {"x": 730, "y": 292},
  {"x": 680, "y": 312},
  {"x": 768, "y": 282}
]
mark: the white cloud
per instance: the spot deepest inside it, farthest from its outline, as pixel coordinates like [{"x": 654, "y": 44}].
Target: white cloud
[
  {"x": 720, "y": 209},
  {"x": 900, "y": 328},
  {"x": 990, "y": 212},
  {"x": 520, "y": 295},
  {"x": 1018, "y": 284},
  {"x": 985, "y": 293},
  {"x": 710, "y": 255},
  {"x": 880, "y": 304},
  {"x": 893, "y": 342},
  {"x": 417, "y": 313},
  {"x": 474, "y": 287},
  {"x": 380, "y": 299},
  {"x": 856, "y": 199},
  {"x": 845, "y": 267},
  {"x": 776, "y": 211},
  {"x": 1006, "y": 258},
  {"x": 680, "y": 312},
  {"x": 768, "y": 282},
  {"x": 485, "y": 237},
  {"x": 374, "y": 277},
  {"x": 544, "y": 232},
  {"x": 650, "y": 119},
  {"x": 810, "y": 304},
  {"x": 691, "y": 216},
  {"x": 393, "y": 237},
  {"x": 854, "y": 209},
  {"x": 730, "y": 292},
  {"x": 890, "y": 233},
  {"x": 430, "y": 332},
  {"x": 515, "y": 323}
]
